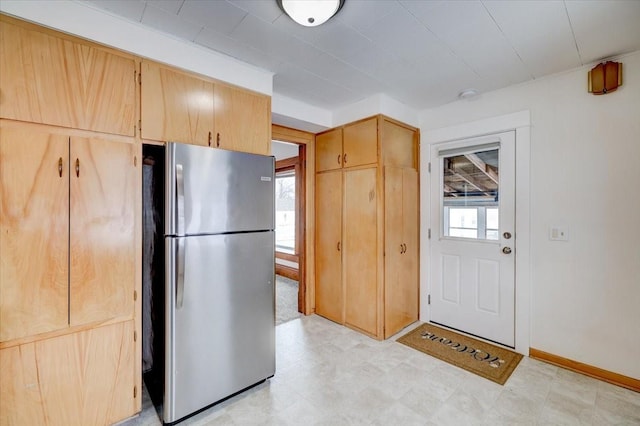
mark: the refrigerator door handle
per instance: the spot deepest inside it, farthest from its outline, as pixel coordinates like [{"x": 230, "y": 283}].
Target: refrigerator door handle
[
  {"x": 180, "y": 199},
  {"x": 180, "y": 279}
]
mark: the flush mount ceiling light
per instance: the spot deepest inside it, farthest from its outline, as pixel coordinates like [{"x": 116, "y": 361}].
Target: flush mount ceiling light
[
  {"x": 467, "y": 94},
  {"x": 310, "y": 13}
]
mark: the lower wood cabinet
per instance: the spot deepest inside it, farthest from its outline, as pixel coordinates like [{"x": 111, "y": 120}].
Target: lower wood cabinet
[
  {"x": 83, "y": 378},
  {"x": 360, "y": 239},
  {"x": 329, "y": 290}
]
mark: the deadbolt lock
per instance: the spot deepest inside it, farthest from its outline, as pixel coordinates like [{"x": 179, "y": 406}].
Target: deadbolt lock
[{"x": 507, "y": 235}]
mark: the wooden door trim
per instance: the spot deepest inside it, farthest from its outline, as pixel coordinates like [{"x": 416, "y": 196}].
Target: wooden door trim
[{"x": 306, "y": 220}]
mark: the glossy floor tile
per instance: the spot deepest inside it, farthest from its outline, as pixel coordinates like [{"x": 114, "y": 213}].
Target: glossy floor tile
[{"x": 327, "y": 374}]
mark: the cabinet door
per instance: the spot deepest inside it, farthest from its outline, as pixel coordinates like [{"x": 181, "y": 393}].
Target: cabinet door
[
  {"x": 361, "y": 143},
  {"x": 242, "y": 120},
  {"x": 399, "y": 145},
  {"x": 401, "y": 248},
  {"x": 103, "y": 190},
  {"x": 329, "y": 150},
  {"x": 360, "y": 249},
  {"x": 176, "y": 107},
  {"x": 46, "y": 79},
  {"x": 84, "y": 378},
  {"x": 411, "y": 238},
  {"x": 329, "y": 289},
  {"x": 34, "y": 224}
]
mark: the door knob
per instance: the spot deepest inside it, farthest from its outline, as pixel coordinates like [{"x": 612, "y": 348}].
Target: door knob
[
  {"x": 506, "y": 250},
  {"x": 507, "y": 235}
]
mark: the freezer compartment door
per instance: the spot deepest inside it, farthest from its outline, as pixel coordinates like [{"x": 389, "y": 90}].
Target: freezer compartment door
[
  {"x": 209, "y": 191},
  {"x": 221, "y": 338}
]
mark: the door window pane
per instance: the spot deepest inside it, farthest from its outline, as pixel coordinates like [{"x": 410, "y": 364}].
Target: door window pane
[
  {"x": 286, "y": 212},
  {"x": 470, "y": 192}
]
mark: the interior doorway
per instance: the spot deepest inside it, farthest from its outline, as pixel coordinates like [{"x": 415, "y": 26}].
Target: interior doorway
[
  {"x": 294, "y": 196},
  {"x": 289, "y": 181}
]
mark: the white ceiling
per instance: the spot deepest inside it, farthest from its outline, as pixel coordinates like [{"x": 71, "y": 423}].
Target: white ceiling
[{"x": 422, "y": 53}]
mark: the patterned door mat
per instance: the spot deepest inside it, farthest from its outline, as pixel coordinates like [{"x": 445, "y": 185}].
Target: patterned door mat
[{"x": 484, "y": 359}]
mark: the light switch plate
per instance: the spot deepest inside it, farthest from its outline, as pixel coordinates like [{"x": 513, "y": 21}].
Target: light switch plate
[{"x": 559, "y": 233}]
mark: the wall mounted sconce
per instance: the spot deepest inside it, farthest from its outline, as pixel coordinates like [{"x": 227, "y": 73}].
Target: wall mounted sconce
[
  {"x": 310, "y": 13},
  {"x": 605, "y": 78}
]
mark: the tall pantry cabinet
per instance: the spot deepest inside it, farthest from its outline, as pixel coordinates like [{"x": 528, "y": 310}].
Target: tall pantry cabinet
[
  {"x": 367, "y": 225},
  {"x": 69, "y": 230}
]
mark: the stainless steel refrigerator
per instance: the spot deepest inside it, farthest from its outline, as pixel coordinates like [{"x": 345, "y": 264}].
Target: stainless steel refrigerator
[{"x": 219, "y": 276}]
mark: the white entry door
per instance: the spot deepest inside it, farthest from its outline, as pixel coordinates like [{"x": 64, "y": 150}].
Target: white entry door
[{"x": 472, "y": 236}]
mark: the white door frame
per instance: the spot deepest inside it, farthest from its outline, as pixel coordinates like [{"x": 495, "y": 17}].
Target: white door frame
[{"x": 521, "y": 123}]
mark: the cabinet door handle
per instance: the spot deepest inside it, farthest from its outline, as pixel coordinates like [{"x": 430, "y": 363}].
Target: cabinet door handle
[
  {"x": 209, "y": 138},
  {"x": 60, "y": 166},
  {"x": 338, "y": 245},
  {"x": 218, "y": 140},
  {"x": 77, "y": 167},
  {"x": 344, "y": 160},
  {"x": 405, "y": 248},
  {"x": 401, "y": 248},
  {"x": 339, "y": 158}
]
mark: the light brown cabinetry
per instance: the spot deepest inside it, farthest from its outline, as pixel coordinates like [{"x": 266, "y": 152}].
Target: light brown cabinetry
[
  {"x": 53, "y": 80},
  {"x": 242, "y": 120},
  {"x": 329, "y": 295},
  {"x": 83, "y": 378},
  {"x": 367, "y": 226},
  {"x": 400, "y": 248},
  {"x": 175, "y": 106},
  {"x": 360, "y": 249},
  {"x": 181, "y": 107},
  {"x": 73, "y": 264},
  {"x": 349, "y": 146},
  {"x": 67, "y": 267},
  {"x": 34, "y": 224}
]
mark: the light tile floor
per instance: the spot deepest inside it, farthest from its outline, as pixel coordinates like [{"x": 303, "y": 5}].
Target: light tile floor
[{"x": 327, "y": 374}]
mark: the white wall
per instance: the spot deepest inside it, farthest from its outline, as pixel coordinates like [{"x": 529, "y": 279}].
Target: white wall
[{"x": 585, "y": 174}]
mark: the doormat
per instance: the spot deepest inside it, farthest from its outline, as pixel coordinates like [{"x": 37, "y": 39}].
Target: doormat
[{"x": 484, "y": 359}]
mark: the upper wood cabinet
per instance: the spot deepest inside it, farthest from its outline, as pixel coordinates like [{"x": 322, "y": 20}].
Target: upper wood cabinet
[
  {"x": 329, "y": 150},
  {"x": 181, "y": 107},
  {"x": 348, "y": 146},
  {"x": 53, "y": 80},
  {"x": 176, "y": 106},
  {"x": 242, "y": 120},
  {"x": 401, "y": 145},
  {"x": 360, "y": 143},
  {"x": 67, "y": 226}
]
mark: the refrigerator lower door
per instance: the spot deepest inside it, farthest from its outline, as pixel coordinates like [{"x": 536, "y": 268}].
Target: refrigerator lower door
[{"x": 221, "y": 339}]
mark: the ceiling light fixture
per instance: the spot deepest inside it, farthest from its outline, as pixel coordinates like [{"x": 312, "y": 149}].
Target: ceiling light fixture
[
  {"x": 310, "y": 13},
  {"x": 467, "y": 93}
]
